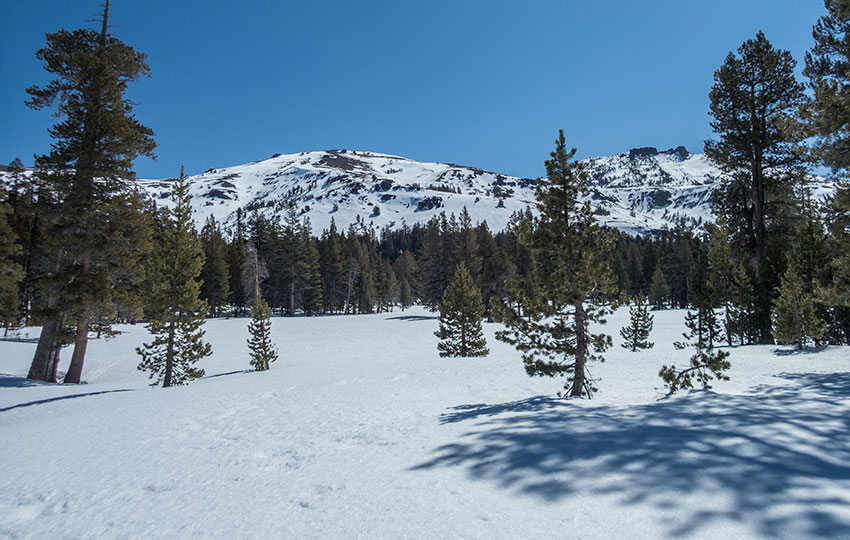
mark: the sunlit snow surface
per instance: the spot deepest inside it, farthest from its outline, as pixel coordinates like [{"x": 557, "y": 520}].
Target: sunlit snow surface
[{"x": 361, "y": 430}]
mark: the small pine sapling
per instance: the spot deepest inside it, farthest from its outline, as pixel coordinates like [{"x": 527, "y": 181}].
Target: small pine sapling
[
  {"x": 636, "y": 334},
  {"x": 262, "y": 349},
  {"x": 461, "y": 311},
  {"x": 795, "y": 317}
]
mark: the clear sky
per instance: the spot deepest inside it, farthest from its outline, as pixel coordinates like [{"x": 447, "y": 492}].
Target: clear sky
[{"x": 485, "y": 83}]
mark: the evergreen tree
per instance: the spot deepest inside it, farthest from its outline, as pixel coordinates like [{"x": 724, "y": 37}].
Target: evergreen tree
[
  {"x": 25, "y": 213},
  {"x": 659, "y": 291},
  {"x": 636, "y": 334},
  {"x": 703, "y": 326},
  {"x": 465, "y": 246},
  {"x": 310, "y": 270},
  {"x": 721, "y": 282},
  {"x": 753, "y": 101},
  {"x": 706, "y": 364},
  {"x": 405, "y": 295},
  {"x": 11, "y": 272},
  {"x": 260, "y": 344},
  {"x": 332, "y": 268},
  {"x": 551, "y": 329},
  {"x": 434, "y": 262},
  {"x": 828, "y": 117},
  {"x": 237, "y": 257},
  {"x": 175, "y": 311},
  {"x": 796, "y": 320},
  {"x": 828, "y": 70},
  {"x": 460, "y": 318},
  {"x": 215, "y": 275},
  {"x": 88, "y": 168}
]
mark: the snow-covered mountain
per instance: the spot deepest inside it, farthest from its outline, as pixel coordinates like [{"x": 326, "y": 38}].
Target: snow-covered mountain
[{"x": 636, "y": 191}]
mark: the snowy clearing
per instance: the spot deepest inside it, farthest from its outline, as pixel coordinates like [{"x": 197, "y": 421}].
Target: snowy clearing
[{"x": 362, "y": 431}]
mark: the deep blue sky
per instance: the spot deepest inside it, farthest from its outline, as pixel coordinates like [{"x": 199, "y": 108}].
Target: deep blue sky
[{"x": 485, "y": 83}]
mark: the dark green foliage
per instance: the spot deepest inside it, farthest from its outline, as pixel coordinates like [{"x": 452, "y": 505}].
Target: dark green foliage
[
  {"x": 84, "y": 185},
  {"x": 828, "y": 70},
  {"x": 636, "y": 334},
  {"x": 706, "y": 365},
  {"x": 215, "y": 275},
  {"x": 174, "y": 310},
  {"x": 461, "y": 311},
  {"x": 753, "y": 102},
  {"x": 311, "y": 289},
  {"x": 406, "y": 298},
  {"x": 659, "y": 291},
  {"x": 237, "y": 257},
  {"x": 701, "y": 321},
  {"x": 11, "y": 272},
  {"x": 434, "y": 261},
  {"x": 795, "y": 318},
  {"x": 551, "y": 328},
  {"x": 260, "y": 344}
]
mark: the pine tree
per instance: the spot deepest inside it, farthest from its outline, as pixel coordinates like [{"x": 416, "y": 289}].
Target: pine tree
[
  {"x": 237, "y": 256},
  {"x": 88, "y": 168},
  {"x": 703, "y": 326},
  {"x": 175, "y": 311},
  {"x": 796, "y": 320},
  {"x": 636, "y": 334},
  {"x": 405, "y": 295},
  {"x": 706, "y": 364},
  {"x": 460, "y": 318},
  {"x": 721, "y": 282},
  {"x": 310, "y": 271},
  {"x": 332, "y": 267},
  {"x": 260, "y": 344},
  {"x": 753, "y": 102},
  {"x": 828, "y": 70},
  {"x": 659, "y": 291},
  {"x": 11, "y": 272},
  {"x": 465, "y": 245},
  {"x": 568, "y": 248},
  {"x": 215, "y": 275}
]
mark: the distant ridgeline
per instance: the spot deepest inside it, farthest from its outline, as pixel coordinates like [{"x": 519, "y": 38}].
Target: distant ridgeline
[{"x": 638, "y": 191}]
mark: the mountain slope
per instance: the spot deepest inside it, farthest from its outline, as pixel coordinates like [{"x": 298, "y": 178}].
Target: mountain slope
[{"x": 636, "y": 191}]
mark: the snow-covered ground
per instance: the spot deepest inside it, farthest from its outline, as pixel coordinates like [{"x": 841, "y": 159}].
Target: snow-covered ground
[{"x": 360, "y": 430}]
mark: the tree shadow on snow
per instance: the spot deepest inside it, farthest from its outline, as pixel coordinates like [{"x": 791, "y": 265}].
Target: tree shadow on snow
[
  {"x": 765, "y": 454},
  {"x": 60, "y": 398},
  {"x": 794, "y": 351},
  {"x": 225, "y": 374},
  {"x": 10, "y": 381},
  {"x": 413, "y": 318}
]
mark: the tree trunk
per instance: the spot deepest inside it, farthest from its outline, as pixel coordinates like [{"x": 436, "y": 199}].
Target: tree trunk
[
  {"x": 43, "y": 366},
  {"x": 581, "y": 350},
  {"x": 169, "y": 357},
  {"x": 75, "y": 371}
]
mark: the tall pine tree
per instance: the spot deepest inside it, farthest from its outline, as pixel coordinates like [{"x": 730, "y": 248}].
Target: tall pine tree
[
  {"x": 175, "y": 311},
  {"x": 753, "y": 102},
  {"x": 552, "y": 329},
  {"x": 88, "y": 168}
]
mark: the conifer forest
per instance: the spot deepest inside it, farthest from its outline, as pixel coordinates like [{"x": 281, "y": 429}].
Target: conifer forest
[{"x": 471, "y": 355}]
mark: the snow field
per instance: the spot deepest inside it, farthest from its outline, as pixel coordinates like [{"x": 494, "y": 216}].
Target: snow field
[{"x": 360, "y": 430}]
